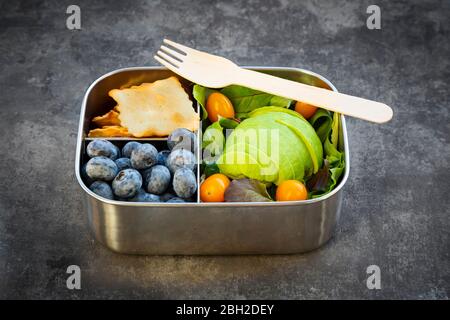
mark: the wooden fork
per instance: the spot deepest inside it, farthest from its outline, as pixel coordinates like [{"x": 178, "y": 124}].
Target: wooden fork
[{"x": 216, "y": 72}]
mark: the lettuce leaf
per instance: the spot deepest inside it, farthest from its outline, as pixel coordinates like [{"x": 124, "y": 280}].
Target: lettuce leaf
[
  {"x": 201, "y": 94},
  {"x": 243, "y": 99},
  {"x": 336, "y": 165},
  {"x": 318, "y": 184},
  {"x": 335, "y": 130},
  {"x": 309, "y": 147},
  {"x": 210, "y": 169},
  {"x": 247, "y": 190},
  {"x": 268, "y": 109},
  {"x": 321, "y": 122},
  {"x": 273, "y": 145},
  {"x": 228, "y": 123},
  {"x": 328, "y": 176},
  {"x": 213, "y": 142}
]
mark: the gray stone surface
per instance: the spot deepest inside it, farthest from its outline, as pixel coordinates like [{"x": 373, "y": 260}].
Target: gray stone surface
[{"x": 396, "y": 208}]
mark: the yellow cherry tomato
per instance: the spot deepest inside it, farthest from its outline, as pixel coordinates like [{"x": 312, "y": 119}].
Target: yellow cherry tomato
[
  {"x": 306, "y": 110},
  {"x": 291, "y": 190},
  {"x": 219, "y": 105},
  {"x": 213, "y": 188}
]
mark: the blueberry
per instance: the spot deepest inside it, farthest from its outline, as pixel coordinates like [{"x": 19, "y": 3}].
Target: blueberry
[
  {"x": 119, "y": 153},
  {"x": 144, "y": 173},
  {"x": 162, "y": 157},
  {"x": 181, "y": 146},
  {"x": 166, "y": 197},
  {"x": 87, "y": 180},
  {"x": 127, "y": 183},
  {"x": 182, "y": 138},
  {"x": 144, "y": 156},
  {"x": 101, "y": 168},
  {"x": 157, "y": 179},
  {"x": 175, "y": 200},
  {"x": 101, "y": 147},
  {"x": 184, "y": 183},
  {"x": 142, "y": 196},
  {"x": 128, "y": 148},
  {"x": 102, "y": 189},
  {"x": 123, "y": 163},
  {"x": 180, "y": 158}
]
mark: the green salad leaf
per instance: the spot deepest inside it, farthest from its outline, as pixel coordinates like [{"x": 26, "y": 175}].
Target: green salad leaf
[
  {"x": 321, "y": 122},
  {"x": 328, "y": 176},
  {"x": 273, "y": 145},
  {"x": 335, "y": 130},
  {"x": 308, "y": 145},
  {"x": 267, "y": 109},
  {"x": 245, "y": 99},
  {"x": 210, "y": 169},
  {"x": 201, "y": 94},
  {"x": 247, "y": 190},
  {"x": 337, "y": 163},
  {"x": 213, "y": 142},
  {"x": 228, "y": 123}
]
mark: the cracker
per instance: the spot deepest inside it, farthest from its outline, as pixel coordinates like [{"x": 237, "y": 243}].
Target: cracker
[
  {"x": 155, "y": 109},
  {"x": 109, "y": 131},
  {"x": 110, "y": 118}
]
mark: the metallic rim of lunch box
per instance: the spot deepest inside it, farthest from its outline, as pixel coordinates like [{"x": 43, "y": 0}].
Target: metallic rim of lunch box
[{"x": 208, "y": 204}]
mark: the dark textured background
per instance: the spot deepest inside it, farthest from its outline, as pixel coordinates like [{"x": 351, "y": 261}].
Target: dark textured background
[{"x": 396, "y": 208}]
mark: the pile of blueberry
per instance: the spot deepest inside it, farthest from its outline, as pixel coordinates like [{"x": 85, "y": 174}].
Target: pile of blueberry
[{"x": 140, "y": 173}]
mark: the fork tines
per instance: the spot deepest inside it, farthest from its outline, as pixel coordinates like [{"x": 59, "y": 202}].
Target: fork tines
[{"x": 171, "y": 58}]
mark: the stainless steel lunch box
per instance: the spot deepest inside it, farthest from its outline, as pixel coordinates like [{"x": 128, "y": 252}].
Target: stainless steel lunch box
[{"x": 203, "y": 228}]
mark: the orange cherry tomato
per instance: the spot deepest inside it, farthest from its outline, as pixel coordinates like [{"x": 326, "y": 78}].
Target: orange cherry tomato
[
  {"x": 306, "y": 110},
  {"x": 213, "y": 188},
  {"x": 291, "y": 190},
  {"x": 219, "y": 105}
]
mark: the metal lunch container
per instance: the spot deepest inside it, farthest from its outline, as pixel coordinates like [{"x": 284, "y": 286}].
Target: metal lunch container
[{"x": 202, "y": 228}]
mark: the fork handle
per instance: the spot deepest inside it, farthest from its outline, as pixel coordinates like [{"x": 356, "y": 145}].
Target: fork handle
[{"x": 331, "y": 100}]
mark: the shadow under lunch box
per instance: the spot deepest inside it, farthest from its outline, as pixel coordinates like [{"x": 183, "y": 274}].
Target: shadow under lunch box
[{"x": 195, "y": 228}]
